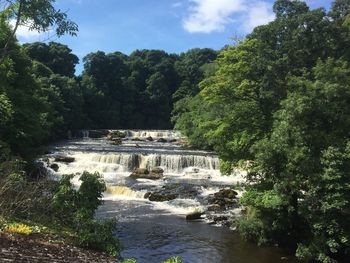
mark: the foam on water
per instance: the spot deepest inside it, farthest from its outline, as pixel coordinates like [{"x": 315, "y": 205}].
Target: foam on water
[{"x": 179, "y": 206}]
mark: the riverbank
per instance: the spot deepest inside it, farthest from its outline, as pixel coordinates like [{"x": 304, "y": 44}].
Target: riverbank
[{"x": 45, "y": 248}]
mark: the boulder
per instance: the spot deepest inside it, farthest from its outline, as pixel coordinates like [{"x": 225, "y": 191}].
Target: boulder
[
  {"x": 160, "y": 197},
  {"x": 157, "y": 170},
  {"x": 117, "y": 134},
  {"x": 138, "y": 171},
  {"x": 149, "y": 138},
  {"x": 214, "y": 207},
  {"x": 116, "y": 141},
  {"x": 220, "y": 218},
  {"x": 226, "y": 193},
  {"x": 194, "y": 216},
  {"x": 54, "y": 167},
  {"x": 225, "y": 197},
  {"x": 145, "y": 174},
  {"x": 98, "y": 133},
  {"x": 162, "y": 140},
  {"x": 172, "y": 140},
  {"x": 64, "y": 159}
]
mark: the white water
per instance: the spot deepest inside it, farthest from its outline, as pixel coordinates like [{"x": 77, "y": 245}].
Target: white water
[{"x": 116, "y": 162}]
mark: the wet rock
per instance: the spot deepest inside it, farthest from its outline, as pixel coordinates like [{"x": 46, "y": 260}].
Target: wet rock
[
  {"x": 117, "y": 134},
  {"x": 214, "y": 207},
  {"x": 116, "y": 137},
  {"x": 157, "y": 170},
  {"x": 116, "y": 141},
  {"x": 149, "y": 138},
  {"x": 220, "y": 218},
  {"x": 225, "y": 197},
  {"x": 172, "y": 140},
  {"x": 98, "y": 133},
  {"x": 137, "y": 139},
  {"x": 39, "y": 170},
  {"x": 160, "y": 197},
  {"x": 145, "y": 174},
  {"x": 162, "y": 140},
  {"x": 194, "y": 216},
  {"x": 54, "y": 167},
  {"x": 139, "y": 171},
  {"x": 64, "y": 159}
]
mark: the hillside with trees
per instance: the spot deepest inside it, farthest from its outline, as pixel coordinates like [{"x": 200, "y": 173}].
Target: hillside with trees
[{"x": 278, "y": 106}]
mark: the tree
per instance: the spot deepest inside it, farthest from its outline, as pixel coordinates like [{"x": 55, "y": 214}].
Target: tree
[
  {"x": 56, "y": 56},
  {"x": 38, "y": 15}
]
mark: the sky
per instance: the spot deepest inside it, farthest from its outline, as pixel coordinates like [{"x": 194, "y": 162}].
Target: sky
[{"x": 171, "y": 25}]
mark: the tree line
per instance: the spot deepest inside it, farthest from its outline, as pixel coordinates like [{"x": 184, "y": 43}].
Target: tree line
[
  {"x": 278, "y": 104},
  {"x": 42, "y": 99}
]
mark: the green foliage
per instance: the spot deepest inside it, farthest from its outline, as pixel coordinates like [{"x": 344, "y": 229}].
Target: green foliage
[
  {"x": 76, "y": 208},
  {"x": 174, "y": 260},
  {"x": 57, "y": 57},
  {"x": 170, "y": 260},
  {"x": 280, "y": 100}
]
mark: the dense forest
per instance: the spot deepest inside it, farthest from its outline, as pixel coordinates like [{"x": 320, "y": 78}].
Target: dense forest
[
  {"x": 114, "y": 91},
  {"x": 276, "y": 104}
]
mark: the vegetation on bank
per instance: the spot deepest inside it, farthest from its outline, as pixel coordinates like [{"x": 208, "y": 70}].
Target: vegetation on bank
[{"x": 279, "y": 101}]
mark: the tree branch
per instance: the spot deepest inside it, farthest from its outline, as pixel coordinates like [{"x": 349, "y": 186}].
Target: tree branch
[{"x": 18, "y": 20}]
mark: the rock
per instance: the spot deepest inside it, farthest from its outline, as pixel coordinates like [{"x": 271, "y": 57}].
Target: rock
[
  {"x": 116, "y": 141},
  {"x": 54, "y": 167},
  {"x": 64, "y": 159},
  {"x": 194, "y": 216},
  {"x": 149, "y": 139},
  {"x": 226, "y": 193},
  {"x": 39, "y": 171},
  {"x": 117, "y": 134},
  {"x": 172, "y": 140},
  {"x": 220, "y": 218},
  {"x": 162, "y": 140},
  {"x": 284, "y": 258},
  {"x": 160, "y": 197},
  {"x": 140, "y": 171},
  {"x": 145, "y": 174},
  {"x": 214, "y": 207},
  {"x": 225, "y": 197},
  {"x": 157, "y": 170},
  {"x": 137, "y": 139},
  {"x": 98, "y": 133}
]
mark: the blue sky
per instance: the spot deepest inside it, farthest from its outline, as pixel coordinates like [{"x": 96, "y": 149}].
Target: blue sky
[{"x": 172, "y": 25}]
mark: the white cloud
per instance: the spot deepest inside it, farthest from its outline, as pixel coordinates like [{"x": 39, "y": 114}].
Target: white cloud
[
  {"x": 259, "y": 14},
  {"x": 206, "y": 16},
  {"x": 210, "y": 15},
  {"x": 25, "y": 35}
]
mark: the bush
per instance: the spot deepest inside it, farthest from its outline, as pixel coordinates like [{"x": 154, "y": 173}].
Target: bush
[
  {"x": 174, "y": 260},
  {"x": 76, "y": 208},
  {"x": 19, "y": 229}
]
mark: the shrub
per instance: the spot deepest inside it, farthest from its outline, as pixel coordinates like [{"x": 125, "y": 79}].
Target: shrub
[
  {"x": 19, "y": 229},
  {"x": 174, "y": 260},
  {"x": 76, "y": 208}
]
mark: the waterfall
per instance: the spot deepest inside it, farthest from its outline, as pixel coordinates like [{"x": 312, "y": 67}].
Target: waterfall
[
  {"x": 127, "y": 162},
  {"x": 155, "y": 134},
  {"x": 124, "y": 191}
]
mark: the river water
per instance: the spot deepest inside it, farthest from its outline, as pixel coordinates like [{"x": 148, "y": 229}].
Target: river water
[{"x": 153, "y": 231}]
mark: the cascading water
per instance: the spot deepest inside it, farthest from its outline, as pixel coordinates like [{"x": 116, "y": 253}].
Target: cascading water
[{"x": 151, "y": 212}]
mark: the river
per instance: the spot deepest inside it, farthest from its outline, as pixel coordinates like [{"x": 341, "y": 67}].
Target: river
[{"x": 152, "y": 231}]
